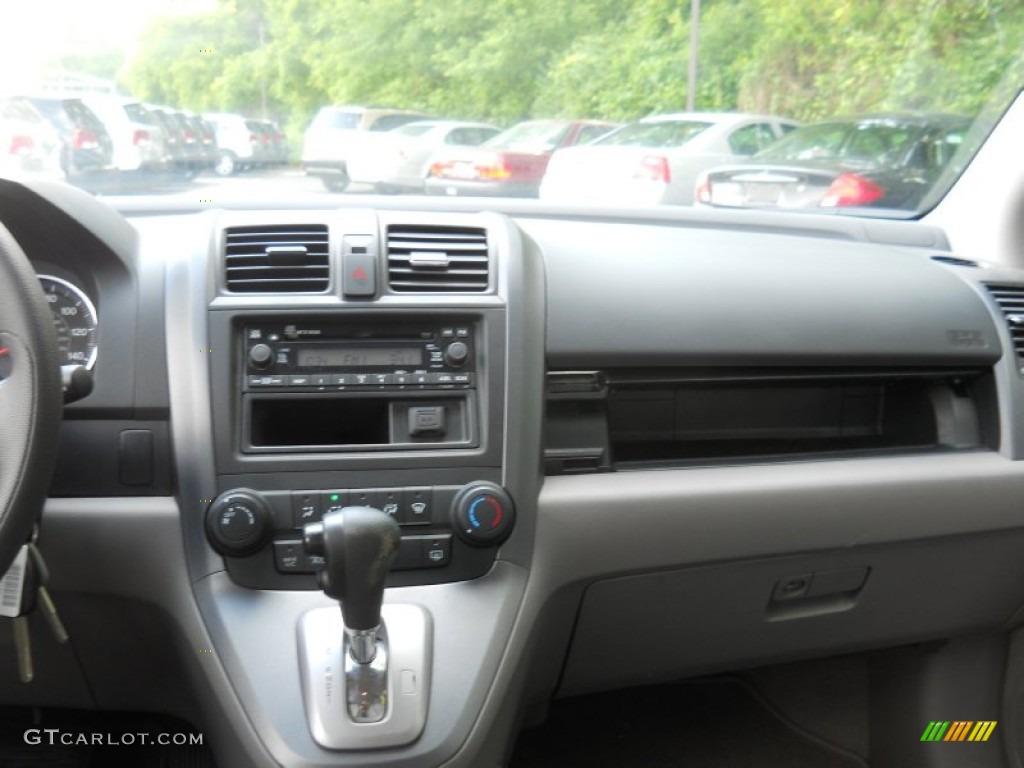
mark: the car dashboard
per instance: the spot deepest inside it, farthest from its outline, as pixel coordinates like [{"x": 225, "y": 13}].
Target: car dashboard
[{"x": 621, "y": 447}]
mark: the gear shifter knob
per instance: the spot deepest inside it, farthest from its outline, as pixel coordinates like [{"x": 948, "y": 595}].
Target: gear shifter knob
[{"x": 359, "y": 544}]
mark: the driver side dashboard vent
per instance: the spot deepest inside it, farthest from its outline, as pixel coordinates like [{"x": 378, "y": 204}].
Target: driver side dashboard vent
[
  {"x": 437, "y": 259},
  {"x": 1010, "y": 299},
  {"x": 277, "y": 259}
]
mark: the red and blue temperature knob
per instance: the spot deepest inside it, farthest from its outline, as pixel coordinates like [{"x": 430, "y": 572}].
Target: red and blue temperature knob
[{"x": 483, "y": 514}]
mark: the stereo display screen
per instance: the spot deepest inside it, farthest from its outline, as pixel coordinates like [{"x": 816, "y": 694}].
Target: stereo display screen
[{"x": 359, "y": 357}]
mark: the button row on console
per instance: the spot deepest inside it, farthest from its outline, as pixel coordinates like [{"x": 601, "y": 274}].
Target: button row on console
[
  {"x": 363, "y": 380},
  {"x": 409, "y": 506},
  {"x": 413, "y": 552}
]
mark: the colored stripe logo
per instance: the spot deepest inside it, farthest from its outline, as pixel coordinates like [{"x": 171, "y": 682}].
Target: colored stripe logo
[{"x": 959, "y": 730}]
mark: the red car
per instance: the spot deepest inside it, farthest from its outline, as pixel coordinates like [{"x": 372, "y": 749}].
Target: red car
[{"x": 511, "y": 164}]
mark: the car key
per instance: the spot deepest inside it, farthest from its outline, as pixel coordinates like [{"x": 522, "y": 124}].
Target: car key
[
  {"x": 23, "y": 647},
  {"x": 45, "y": 601}
]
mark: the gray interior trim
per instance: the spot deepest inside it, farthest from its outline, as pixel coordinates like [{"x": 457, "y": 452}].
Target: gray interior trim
[
  {"x": 471, "y": 623},
  {"x": 600, "y": 525},
  {"x": 145, "y": 561}
]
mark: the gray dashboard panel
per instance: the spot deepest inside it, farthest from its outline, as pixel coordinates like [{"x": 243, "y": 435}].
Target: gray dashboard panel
[
  {"x": 618, "y": 523},
  {"x": 623, "y": 294},
  {"x": 739, "y": 293}
]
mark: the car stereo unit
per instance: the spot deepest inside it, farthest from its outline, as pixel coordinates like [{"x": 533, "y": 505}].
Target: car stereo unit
[{"x": 364, "y": 355}]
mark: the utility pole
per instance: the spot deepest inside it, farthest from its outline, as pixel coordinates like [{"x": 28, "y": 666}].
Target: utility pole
[
  {"x": 691, "y": 80},
  {"x": 263, "y": 69}
]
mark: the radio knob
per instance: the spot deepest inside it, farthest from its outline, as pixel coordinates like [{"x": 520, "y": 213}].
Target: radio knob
[
  {"x": 457, "y": 353},
  {"x": 260, "y": 356}
]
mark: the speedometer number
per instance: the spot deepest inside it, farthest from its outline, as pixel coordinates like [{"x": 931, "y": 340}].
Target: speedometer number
[{"x": 74, "y": 318}]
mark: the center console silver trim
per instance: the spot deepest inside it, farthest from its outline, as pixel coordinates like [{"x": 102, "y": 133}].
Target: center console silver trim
[{"x": 322, "y": 650}]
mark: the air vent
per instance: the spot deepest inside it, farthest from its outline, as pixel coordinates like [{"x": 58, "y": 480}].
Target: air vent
[
  {"x": 1010, "y": 299},
  {"x": 955, "y": 261},
  {"x": 277, "y": 259},
  {"x": 433, "y": 259}
]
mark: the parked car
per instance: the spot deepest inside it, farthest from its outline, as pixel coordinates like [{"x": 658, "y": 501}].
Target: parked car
[
  {"x": 236, "y": 143},
  {"x": 138, "y": 140},
  {"x": 182, "y": 152},
  {"x": 260, "y": 139},
  {"x": 879, "y": 161},
  {"x": 274, "y": 140},
  {"x": 512, "y": 163},
  {"x": 30, "y": 147},
  {"x": 87, "y": 146},
  {"x": 207, "y": 136},
  {"x": 398, "y": 160},
  {"x": 330, "y": 138},
  {"x": 658, "y": 159}
]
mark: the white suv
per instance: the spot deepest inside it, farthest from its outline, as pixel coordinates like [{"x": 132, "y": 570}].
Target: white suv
[
  {"x": 333, "y": 132},
  {"x": 235, "y": 142},
  {"x": 139, "y": 142}
]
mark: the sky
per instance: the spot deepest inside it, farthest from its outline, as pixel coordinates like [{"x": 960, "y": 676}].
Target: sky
[{"x": 35, "y": 31}]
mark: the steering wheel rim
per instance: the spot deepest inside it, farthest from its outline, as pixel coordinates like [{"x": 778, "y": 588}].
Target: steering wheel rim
[{"x": 30, "y": 398}]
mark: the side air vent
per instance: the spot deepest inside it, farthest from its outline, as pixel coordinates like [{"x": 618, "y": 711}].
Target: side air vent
[
  {"x": 277, "y": 259},
  {"x": 1010, "y": 299},
  {"x": 955, "y": 261},
  {"x": 435, "y": 259}
]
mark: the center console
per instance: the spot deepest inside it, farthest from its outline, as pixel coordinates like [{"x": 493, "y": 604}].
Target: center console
[
  {"x": 388, "y": 389},
  {"x": 360, "y": 389}
]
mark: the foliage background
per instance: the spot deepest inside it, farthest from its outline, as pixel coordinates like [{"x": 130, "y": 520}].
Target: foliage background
[{"x": 506, "y": 60}]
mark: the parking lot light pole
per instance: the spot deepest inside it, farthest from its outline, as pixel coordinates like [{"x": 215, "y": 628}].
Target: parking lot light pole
[{"x": 691, "y": 80}]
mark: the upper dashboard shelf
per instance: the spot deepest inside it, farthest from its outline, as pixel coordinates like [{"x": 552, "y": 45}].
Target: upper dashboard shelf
[{"x": 629, "y": 294}]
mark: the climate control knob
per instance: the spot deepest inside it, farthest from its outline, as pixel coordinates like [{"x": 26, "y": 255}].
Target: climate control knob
[
  {"x": 483, "y": 514},
  {"x": 261, "y": 355},
  {"x": 238, "y": 522}
]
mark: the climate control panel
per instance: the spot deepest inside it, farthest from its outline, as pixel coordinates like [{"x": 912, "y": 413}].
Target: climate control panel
[{"x": 449, "y": 533}]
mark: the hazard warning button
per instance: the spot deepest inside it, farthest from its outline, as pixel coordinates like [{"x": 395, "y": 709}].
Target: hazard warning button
[{"x": 359, "y": 265}]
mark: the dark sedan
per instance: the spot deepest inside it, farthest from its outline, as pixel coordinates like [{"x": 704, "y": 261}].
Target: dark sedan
[
  {"x": 87, "y": 146},
  {"x": 511, "y": 164},
  {"x": 877, "y": 161}
]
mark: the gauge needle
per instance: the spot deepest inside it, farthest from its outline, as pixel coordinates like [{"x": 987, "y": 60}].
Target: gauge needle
[{"x": 4, "y": 350}]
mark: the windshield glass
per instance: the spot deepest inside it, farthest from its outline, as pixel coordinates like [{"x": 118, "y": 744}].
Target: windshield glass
[
  {"x": 901, "y": 91},
  {"x": 664, "y": 133},
  {"x": 867, "y": 143},
  {"x": 530, "y": 137},
  {"x": 336, "y": 119},
  {"x": 413, "y": 129}
]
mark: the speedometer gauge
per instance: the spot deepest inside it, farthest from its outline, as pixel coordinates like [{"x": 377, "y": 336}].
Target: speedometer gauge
[{"x": 74, "y": 317}]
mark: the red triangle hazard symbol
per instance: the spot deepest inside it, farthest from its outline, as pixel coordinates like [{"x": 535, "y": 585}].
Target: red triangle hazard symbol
[{"x": 358, "y": 273}]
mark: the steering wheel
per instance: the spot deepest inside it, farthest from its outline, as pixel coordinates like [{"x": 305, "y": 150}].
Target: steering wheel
[{"x": 30, "y": 398}]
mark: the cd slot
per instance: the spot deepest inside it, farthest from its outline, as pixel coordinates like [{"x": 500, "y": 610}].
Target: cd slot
[{"x": 357, "y": 421}]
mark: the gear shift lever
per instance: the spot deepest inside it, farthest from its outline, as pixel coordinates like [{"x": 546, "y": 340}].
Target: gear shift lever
[
  {"x": 359, "y": 544},
  {"x": 355, "y": 664}
]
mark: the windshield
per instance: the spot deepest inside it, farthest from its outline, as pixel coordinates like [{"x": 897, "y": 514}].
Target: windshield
[
  {"x": 413, "y": 129},
  {"x": 550, "y": 73},
  {"x": 664, "y": 133},
  {"x": 530, "y": 137},
  {"x": 868, "y": 143}
]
